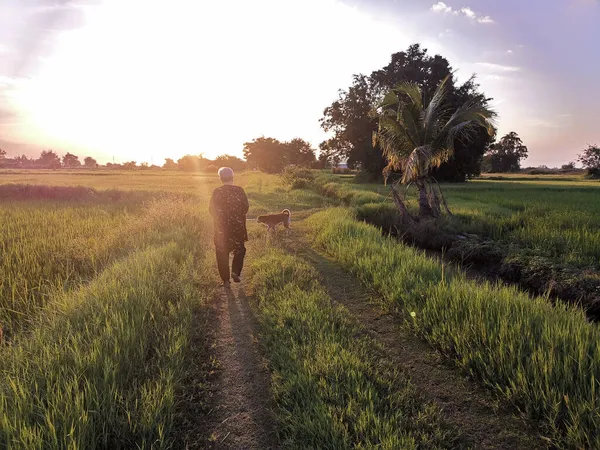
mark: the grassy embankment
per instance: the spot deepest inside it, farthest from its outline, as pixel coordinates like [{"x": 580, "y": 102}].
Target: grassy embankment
[
  {"x": 543, "y": 233},
  {"x": 331, "y": 389},
  {"x": 542, "y": 358},
  {"x": 97, "y": 303}
]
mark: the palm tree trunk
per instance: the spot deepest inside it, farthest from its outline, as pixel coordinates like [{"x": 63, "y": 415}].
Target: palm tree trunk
[
  {"x": 405, "y": 216},
  {"x": 434, "y": 201},
  {"x": 441, "y": 196},
  {"x": 424, "y": 208}
]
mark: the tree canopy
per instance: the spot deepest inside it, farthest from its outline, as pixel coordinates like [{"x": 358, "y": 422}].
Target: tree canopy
[
  {"x": 49, "y": 159},
  {"x": 506, "y": 155},
  {"x": 230, "y": 161},
  {"x": 70, "y": 160},
  {"x": 270, "y": 155},
  {"x": 590, "y": 158},
  {"x": 90, "y": 162},
  {"x": 350, "y": 120},
  {"x": 417, "y": 136}
]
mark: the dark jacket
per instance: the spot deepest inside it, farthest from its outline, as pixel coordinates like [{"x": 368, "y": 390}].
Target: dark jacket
[{"x": 229, "y": 206}]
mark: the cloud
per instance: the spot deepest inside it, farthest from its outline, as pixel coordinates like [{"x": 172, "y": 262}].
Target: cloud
[
  {"x": 498, "y": 67},
  {"x": 537, "y": 122},
  {"x": 469, "y": 13},
  {"x": 441, "y": 7}
]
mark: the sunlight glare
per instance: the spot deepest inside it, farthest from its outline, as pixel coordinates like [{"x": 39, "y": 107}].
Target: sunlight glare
[{"x": 145, "y": 80}]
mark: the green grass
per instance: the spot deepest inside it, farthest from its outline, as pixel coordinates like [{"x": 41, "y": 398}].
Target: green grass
[
  {"x": 101, "y": 368},
  {"x": 96, "y": 305},
  {"x": 551, "y": 217},
  {"x": 542, "y": 358},
  {"x": 330, "y": 389},
  {"x": 98, "y": 290}
]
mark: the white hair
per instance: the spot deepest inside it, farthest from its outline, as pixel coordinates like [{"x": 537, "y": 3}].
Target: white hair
[{"x": 226, "y": 174}]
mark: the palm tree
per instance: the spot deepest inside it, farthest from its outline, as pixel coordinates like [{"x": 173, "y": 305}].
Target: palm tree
[{"x": 416, "y": 138}]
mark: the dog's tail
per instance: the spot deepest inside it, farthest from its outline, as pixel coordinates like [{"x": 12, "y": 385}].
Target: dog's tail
[{"x": 287, "y": 212}]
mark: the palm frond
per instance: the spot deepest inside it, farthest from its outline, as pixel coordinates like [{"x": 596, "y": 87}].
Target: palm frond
[
  {"x": 412, "y": 91},
  {"x": 417, "y": 164},
  {"x": 390, "y": 99},
  {"x": 465, "y": 122},
  {"x": 434, "y": 111},
  {"x": 394, "y": 139},
  {"x": 410, "y": 117}
]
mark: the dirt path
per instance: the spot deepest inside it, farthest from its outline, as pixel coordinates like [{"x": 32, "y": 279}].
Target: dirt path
[
  {"x": 241, "y": 418},
  {"x": 232, "y": 410},
  {"x": 485, "y": 423}
]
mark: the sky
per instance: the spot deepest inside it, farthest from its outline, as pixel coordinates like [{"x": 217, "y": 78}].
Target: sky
[{"x": 142, "y": 80}]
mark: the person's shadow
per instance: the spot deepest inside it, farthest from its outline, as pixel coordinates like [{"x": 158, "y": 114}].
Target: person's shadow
[{"x": 255, "y": 386}]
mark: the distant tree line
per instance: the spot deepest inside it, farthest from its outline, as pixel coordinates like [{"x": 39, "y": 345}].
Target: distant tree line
[
  {"x": 266, "y": 154},
  {"x": 48, "y": 159}
]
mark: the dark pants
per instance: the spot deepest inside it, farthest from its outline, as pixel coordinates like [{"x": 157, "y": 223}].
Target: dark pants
[{"x": 239, "y": 251}]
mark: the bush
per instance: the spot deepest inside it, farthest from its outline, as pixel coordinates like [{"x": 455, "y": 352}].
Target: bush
[
  {"x": 592, "y": 172},
  {"x": 297, "y": 177},
  {"x": 341, "y": 170},
  {"x": 541, "y": 171},
  {"x": 569, "y": 166}
]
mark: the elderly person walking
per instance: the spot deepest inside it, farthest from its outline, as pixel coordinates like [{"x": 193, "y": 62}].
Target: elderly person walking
[{"x": 228, "y": 206}]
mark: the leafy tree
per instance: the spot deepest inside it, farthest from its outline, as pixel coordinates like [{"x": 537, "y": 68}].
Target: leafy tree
[
  {"x": 590, "y": 158},
  {"x": 352, "y": 125},
  {"x": 2, "y": 153},
  {"x": 90, "y": 162},
  {"x": 70, "y": 160},
  {"x": 506, "y": 155},
  {"x": 271, "y": 155},
  {"x": 24, "y": 161},
  {"x": 299, "y": 152},
  {"x": 189, "y": 163},
  {"x": 169, "y": 164},
  {"x": 144, "y": 166},
  {"x": 326, "y": 155},
  {"x": 130, "y": 165},
  {"x": 267, "y": 154},
  {"x": 49, "y": 159},
  {"x": 417, "y": 136},
  {"x": 230, "y": 161},
  {"x": 569, "y": 166}
]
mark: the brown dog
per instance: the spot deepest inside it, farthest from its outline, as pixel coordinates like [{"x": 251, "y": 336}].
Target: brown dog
[{"x": 272, "y": 220}]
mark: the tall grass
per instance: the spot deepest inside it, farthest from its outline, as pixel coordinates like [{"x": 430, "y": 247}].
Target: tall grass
[
  {"x": 554, "y": 219},
  {"x": 50, "y": 247},
  {"x": 330, "y": 388},
  {"x": 102, "y": 359},
  {"x": 545, "y": 359}
]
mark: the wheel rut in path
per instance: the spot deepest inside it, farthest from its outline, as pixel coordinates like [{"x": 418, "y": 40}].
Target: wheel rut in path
[
  {"x": 241, "y": 415},
  {"x": 484, "y": 422}
]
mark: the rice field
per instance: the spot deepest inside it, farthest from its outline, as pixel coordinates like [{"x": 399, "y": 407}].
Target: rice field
[
  {"x": 556, "y": 217},
  {"x": 543, "y": 358},
  {"x": 103, "y": 277}
]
